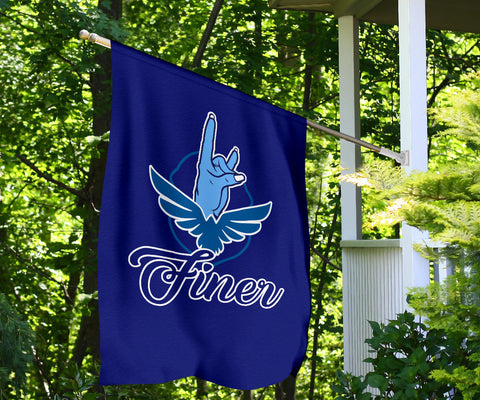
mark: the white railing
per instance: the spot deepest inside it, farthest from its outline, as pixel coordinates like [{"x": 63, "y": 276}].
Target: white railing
[{"x": 373, "y": 290}]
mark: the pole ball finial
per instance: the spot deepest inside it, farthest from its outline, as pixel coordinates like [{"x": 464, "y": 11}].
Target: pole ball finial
[{"x": 84, "y": 34}]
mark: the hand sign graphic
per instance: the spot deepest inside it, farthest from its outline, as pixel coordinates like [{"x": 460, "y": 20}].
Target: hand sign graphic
[
  {"x": 205, "y": 217},
  {"x": 215, "y": 173}
]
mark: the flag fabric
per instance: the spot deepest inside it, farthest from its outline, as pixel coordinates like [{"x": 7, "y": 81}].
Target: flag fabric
[{"x": 203, "y": 245}]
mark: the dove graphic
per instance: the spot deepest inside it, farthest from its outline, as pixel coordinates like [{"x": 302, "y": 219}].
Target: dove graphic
[{"x": 205, "y": 216}]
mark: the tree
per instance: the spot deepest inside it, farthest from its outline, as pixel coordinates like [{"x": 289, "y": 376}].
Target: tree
[{"x": 50, "y": 174}]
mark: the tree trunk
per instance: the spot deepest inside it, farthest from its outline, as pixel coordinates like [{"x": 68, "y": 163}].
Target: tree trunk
[
  {"x": 319, "y": 301},
  {"x": 258, "y": 21},
  {"x": 202, "y": 389},
  {"x": 3, "y": 229},
  {"x": 285, "y": 390},
  {"x": 88, "y": 339},
  {"x": 207, "y": 33},
  {"x": 307, "y": 84},
  {"x": 307, "y": 81},
  {"x": 247, "y": 395}
]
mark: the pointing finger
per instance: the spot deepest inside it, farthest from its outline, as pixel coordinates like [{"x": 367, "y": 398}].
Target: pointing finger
[{"x": 207, "y": 147}]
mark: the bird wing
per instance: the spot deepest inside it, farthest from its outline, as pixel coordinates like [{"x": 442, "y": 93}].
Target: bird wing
[
  {"x": 235, "y": 225},
  {"x": 211, "y": 234},
  {"x": 187, "y": 214}
]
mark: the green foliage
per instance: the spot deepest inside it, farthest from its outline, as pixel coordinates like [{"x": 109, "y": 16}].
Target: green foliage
[
  {"x": 446, "y": 200},
  {"x": 405, "y": 355},
  {"x": 440, "y": 358},
  {"x": 76, "y": 384},
  {"x": 454, "y": 308},
  {"x": 462, "y": 119},
  {"x": 16, "y": 346},
  {"x": 351, "y": 387}
]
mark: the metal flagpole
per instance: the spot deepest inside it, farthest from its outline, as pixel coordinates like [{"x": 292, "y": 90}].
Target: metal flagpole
[{"x": 401, "y": 158}]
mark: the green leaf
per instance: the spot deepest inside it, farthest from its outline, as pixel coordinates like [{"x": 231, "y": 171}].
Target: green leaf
[
  {"x": 92, "y": 396},
  {"x": 376, "y": 380}
]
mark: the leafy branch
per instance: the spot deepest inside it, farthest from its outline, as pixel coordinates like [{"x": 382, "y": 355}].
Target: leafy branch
[
  {"x": 37, "y": 270},
  {"x": 80, "y": 194}
]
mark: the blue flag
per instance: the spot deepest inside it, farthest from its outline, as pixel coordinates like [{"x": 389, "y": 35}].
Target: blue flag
[{"x": 203, "y": 248}]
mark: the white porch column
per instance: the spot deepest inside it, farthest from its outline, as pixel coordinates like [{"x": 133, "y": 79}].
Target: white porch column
[
  {"x": 349, "y": 124},
  {"x": 413, "y": 122},
  {"x": 351, "y": 201}
]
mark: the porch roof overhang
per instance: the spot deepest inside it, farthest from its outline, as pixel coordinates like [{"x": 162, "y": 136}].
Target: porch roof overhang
[{"x": 458, "y": 15}]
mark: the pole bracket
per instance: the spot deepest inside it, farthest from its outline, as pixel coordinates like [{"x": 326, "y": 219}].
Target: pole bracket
[{"x": 403, "y": 158}]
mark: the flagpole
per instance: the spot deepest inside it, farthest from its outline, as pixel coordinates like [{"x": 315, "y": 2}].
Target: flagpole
[
  {"x": 94, "y": 38},
  {"x": 401, "y": 158}
]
